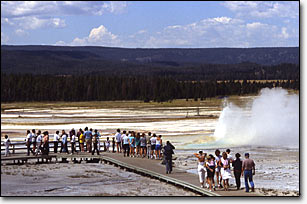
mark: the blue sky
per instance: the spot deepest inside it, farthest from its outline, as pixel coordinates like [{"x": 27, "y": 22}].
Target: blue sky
[{"x": 183, "y": 24}]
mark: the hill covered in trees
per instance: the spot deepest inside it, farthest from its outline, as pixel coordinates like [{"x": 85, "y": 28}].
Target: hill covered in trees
[{"x": 51, "y": 73}]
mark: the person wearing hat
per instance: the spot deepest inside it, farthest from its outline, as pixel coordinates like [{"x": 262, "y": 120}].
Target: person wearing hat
[
  {"x": 201, "y": 167},
  {"x": 248, "y": 168},
  {"x": 237, "y": 170}
]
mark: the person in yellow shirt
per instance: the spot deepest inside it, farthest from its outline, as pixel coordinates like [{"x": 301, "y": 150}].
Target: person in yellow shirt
[{"x": 82, "y": 139}]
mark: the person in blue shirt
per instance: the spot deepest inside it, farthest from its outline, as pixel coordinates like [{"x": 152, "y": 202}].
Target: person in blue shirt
[
  {"x": 88, "y": 139},
  {"x": 132, "y": 144},
  {"x": 64, "y": 142}
]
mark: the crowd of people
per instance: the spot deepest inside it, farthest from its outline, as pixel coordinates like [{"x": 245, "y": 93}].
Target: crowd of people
[
  {"x": 221, "y": 166},
  {"x": 137, "y": 144}
]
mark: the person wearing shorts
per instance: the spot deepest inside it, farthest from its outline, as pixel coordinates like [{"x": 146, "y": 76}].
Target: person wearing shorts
[
  {"x": 158, "y": 147},
  {"x": 152, "y": 145}
]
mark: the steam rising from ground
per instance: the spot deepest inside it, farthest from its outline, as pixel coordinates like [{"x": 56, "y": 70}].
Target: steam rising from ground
[{"x": 272, "y": 119}]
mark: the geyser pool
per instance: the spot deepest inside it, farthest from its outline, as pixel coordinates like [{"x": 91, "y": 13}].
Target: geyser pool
[{"x": 271, "y": 120}]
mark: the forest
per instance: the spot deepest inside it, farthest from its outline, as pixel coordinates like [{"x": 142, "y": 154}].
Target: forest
[{"x": 29, "y": 87}]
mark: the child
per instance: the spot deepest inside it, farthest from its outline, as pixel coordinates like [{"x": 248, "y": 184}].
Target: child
[
  {"x": 108, "y": 144},
  {"x": 7, "y": 143}
]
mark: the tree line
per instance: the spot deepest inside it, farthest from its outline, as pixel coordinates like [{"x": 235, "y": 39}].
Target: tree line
[{"x": 29, "y": 87}]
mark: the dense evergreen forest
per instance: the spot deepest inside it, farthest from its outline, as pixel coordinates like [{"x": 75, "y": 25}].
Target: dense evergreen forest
[
  {"x": 28, "y": 87},
  {"x": 55, "y": 73}
]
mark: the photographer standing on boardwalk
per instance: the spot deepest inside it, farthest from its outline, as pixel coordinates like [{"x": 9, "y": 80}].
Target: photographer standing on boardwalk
[{"x": 168, "y": 152}]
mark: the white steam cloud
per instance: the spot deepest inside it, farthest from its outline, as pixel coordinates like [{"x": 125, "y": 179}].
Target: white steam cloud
[{"x": 271, "y": 120}]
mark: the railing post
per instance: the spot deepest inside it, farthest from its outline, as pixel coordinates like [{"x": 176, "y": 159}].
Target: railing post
[{"x": 13, "y": 149}]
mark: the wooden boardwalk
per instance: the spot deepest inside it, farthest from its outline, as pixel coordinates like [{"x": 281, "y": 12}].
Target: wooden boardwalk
[{"x": 143, "y": 166}]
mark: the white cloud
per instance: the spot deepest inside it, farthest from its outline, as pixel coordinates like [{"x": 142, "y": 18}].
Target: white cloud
[
  {"x": 32, "y": 15},
  {"x": 50, "y": 8},
  {"x": 284, "y": 33},
  {"x": 33, "y": 22},
  {"x": 215, "y": 32},
  {"x": 99, "y": 36},
  {"x": 21, "y": 32},
  {"x": 264, "y": 9}
]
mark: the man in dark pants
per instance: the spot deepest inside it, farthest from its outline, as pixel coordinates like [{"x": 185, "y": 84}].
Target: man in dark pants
[
  {"x": 29, "y": 142},
  {"x": 237, "y": 170},
  {"x": 168, "y": 152},
  {"x": 95, "y": 143}
]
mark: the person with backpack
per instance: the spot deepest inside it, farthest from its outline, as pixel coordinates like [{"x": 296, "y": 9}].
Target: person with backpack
[{"x": 168, "y": 152}]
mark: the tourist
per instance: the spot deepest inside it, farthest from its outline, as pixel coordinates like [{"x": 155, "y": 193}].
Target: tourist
[
  {"x": 108, "y": 145},
  {"x": 88, "y": 139},
  {"x": 143, "y": 145},
  {"x": 211, "y": 165},
  {"x": 78, "y": 138},
  {"x": 218, "y": 168},
  {"x": 225, "y": 170},
  {"x": 132, "y": 144},
  {"x": 118, "y": 141},
  {"x": 148, "y": 144},
  {"x": 34, "y": 140},
  {"x": 71, "y": 133},
  {"x": 237, "y": 170},
  {"x": 229, "y": 156},
  {"x": 201, "y": 168},
  {"x": 95, "y": 142},
  {"x": 28, "y": 143},
  {"x": 73, "y": 143},
  {"x": 153, "y": 145},
  {"x": 158, "y": 147},
  {"x": 113, "y": 144},
  {"x": 122, "y": 144},
  {"x": 138, "y": 144},
  {"x": 56, "y": 138},
  {"x": 39, "y": 140},
  {"x": 168, "y": 152},
  {"x": 64, "y": 142},
  {"x": 46, "y": 143},
  {"x": 98, "y": 143},
  {"x": 7, "y": 144},
  {"x": 248, "y": 168},
  {"x": 81, "y": 141},
  {"x": 125, "y": 143}
]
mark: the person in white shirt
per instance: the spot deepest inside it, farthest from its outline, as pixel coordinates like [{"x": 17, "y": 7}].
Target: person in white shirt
[
  {"x": 29, "y": 142},
  {"x": 56, "y": 138},
  {"x": 118, "y": 138},
  {"x": 125, "y": 143},
  {"x": 153, "y": 145},
  {"x": 39, "y": 143},
  {"x": 73, "y": 143},
  {"x": 7, "y": 144}
]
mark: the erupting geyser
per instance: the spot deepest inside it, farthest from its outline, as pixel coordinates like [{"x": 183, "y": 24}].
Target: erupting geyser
[{"x": 271, "y": 120}]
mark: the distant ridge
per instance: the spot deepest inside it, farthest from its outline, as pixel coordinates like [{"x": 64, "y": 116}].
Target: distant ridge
[{"x": 65, "y": 59}]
